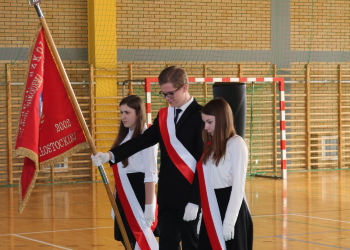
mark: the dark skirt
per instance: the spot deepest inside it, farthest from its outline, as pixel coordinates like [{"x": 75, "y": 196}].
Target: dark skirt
[
  {"x": 138, "y": 185},
  {"x": 243, "y": 239}
]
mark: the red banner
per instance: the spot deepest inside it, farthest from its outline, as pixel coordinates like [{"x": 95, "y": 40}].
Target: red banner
[{"x": 49, "y": 129}]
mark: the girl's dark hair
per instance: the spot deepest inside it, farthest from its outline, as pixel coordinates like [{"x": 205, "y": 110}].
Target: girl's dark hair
[
  {"x": 134, "y": 102},
  {"x": 215, "y": 146}
]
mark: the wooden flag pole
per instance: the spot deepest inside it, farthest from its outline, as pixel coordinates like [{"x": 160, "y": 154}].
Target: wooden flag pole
[{"x": 81, "y": 119}]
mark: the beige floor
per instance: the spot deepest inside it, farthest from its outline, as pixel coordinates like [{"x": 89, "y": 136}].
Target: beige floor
[{"x": 311, "y": 210}]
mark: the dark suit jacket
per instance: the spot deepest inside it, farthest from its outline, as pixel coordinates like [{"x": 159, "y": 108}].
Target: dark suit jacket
[{"x": 173, "y": 188}]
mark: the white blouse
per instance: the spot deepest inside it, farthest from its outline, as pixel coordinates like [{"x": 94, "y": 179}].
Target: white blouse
[
  {"x": 144, "y": 161},
  {"x": 231, "y": 171}
]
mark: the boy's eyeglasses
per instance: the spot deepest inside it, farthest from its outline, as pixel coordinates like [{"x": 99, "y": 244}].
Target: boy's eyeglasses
[{"x": 170, "y": 94}]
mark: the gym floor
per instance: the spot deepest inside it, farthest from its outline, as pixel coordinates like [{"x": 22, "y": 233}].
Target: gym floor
[{"x": 309, "y": 210}]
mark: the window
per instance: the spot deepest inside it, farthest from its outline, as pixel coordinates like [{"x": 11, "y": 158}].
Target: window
[{"x": 329, "y": 148}]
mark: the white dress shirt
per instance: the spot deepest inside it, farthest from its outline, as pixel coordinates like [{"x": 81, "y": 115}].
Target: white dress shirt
[
  {"x": 144, "y": 161},
  {"x": 231, "y": 171},
  {"x": 183, "y": 108}
]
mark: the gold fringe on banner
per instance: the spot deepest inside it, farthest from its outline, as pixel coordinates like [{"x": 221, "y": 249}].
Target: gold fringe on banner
[
  {"x": 23, "y": 203},
  {"x": 66, "y": 154},
  {"x": 34, "y": 157},
  {"x": 32, "y": 45},
  {"x": 27, "y": 153}
]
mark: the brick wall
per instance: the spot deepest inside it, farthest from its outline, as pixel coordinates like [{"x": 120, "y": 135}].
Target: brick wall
[
  {"x": 320, "y": 25},
  {"x": 196, "y": 24},
  {"x": 67, "y": 21}
]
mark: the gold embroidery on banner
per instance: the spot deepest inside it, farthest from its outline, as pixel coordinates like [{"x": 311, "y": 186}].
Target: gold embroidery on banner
[
  {"x": 30, "y": 54},
  {"x": 34, "y": 157},
  {"x": 24, "y": 151},
  {"x": 66, "y": 154},
  {"x": 20, "y": 151},
  {"x": 22, "y": 203},
  {"x": 27, "y": 153}
]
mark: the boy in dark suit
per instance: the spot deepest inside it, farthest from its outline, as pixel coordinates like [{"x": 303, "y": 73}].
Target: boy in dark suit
[{"x": 177, "y": 129}]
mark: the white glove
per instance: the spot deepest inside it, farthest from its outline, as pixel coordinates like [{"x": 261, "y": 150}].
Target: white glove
[
  {"x": 228, "y": 231},
  {"x": 150, "y": 210},
  {"x": 191, "y": 211},
  {"x": 100, "y": 158}
]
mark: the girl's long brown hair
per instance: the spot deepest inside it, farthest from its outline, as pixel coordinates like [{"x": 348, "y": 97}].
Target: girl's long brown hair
[
  {"x": 215, "y": 146},
  {"x": 134, "y": 102}
]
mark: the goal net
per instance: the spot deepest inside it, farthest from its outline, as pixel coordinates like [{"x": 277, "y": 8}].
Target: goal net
[{"x": 265, "y": 120}]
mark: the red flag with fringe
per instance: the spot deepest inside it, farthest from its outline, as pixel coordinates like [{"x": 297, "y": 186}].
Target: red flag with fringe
[{"x": 48, "y": 129}]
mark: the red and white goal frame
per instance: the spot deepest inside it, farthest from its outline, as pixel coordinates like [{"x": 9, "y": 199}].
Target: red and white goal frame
[{"x": 280, "y": 80}]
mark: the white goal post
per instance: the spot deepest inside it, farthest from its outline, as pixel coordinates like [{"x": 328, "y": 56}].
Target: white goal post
[{"x": 282, "y": 122}]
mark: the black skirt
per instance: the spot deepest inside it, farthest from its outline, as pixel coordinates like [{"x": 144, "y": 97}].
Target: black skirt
[
  {"x": 243, "y": 239},
  {"x": 138, "y": 185}
]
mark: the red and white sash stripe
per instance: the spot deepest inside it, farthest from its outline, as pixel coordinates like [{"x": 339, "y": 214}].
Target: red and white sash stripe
[
  {"x": 145, "y": 239},
  {"x": 179, "y": 155},
  {"x": 210, "y": 208}
]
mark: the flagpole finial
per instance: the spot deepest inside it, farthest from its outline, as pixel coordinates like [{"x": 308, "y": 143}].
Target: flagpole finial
[
  {"x": 33, "y": 2},
  {"x": 37, "y": 7}
]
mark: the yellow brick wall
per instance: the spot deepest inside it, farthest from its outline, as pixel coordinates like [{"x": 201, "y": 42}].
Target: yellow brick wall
[
  {"x": 320, "y": 25},
  {"x": 196, "y": 24},
  {"x": 67, "y": 21}
]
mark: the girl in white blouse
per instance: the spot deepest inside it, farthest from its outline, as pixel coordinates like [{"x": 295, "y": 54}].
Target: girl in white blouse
[
  {"x": 226, "y": 219},
  {"x": 135, "y": 179}
]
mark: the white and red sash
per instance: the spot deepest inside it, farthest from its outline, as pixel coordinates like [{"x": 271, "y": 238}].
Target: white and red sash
[
  {"x": 179, "y": 155},
  {"x": 210, "y": 208},
  {"x": 145, "y": 239}
]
